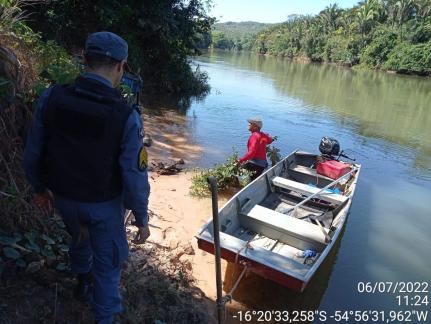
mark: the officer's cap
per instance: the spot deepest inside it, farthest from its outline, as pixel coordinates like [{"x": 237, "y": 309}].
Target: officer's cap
[{"x": 108, "y": 44}]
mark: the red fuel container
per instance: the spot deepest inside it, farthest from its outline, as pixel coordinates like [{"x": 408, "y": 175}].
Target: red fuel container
[{"x": 332, "y": 169}]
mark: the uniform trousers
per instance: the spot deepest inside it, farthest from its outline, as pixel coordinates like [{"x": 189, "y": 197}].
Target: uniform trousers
[{"x": 99, "y": 246}]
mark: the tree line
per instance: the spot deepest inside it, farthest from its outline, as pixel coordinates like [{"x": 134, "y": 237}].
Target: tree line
[{"x": 379, "y": 34}]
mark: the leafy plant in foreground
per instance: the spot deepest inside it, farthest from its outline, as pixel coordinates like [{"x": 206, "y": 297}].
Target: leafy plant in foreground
[{"x": 228, "y": 176}]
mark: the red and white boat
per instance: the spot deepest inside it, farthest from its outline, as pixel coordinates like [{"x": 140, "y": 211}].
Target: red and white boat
[{"x": 283, "y": 225}]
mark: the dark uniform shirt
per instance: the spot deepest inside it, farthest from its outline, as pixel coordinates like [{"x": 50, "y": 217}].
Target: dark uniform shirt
[{"x": 136, "y": 188}]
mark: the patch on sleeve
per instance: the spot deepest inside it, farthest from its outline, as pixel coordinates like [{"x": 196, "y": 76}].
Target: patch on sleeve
[{"x": 142, "y": 159}]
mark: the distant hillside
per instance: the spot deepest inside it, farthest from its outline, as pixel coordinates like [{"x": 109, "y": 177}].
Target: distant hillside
[
  {"x": 240, "y": 29},
  {"x": 236, "y": 35}
]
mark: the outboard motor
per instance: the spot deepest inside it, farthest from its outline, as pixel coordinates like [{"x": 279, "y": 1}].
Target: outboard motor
[
  {"x": 328, "y": 163},
  {"x": 329, "y": 147}
]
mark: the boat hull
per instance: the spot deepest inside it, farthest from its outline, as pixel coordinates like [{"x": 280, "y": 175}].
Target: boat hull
[{"x": 261, "y": 269}]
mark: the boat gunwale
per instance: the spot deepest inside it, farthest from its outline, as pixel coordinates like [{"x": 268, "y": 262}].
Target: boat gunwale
[{"x": 322, "y": 257}]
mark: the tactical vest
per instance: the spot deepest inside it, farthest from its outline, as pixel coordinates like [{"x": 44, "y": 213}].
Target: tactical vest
[{"x": 84, "y": 129}]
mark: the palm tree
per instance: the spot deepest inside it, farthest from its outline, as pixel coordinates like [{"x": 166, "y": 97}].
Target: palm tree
[
  {"x": 379, "y": 6},
  {"x": 329, "y": 17},
  {"x": 367, "y": 14},
  {"x": 422, "y": 8},
  {"x": 404, "y": 11},
  {"x": 401, "y": 11},
  {"x": 346, "y": 20}
]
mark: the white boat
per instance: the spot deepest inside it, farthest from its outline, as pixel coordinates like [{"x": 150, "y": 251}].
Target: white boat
[{"x": 283, "y": 225}]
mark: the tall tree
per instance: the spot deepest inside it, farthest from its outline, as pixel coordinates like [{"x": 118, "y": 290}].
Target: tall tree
[
  {"x": 399, "y": 11},
  {"x": 329, "y": 16},
  {"x": 422, "y": 8},
  {"x": 161, "y": 34},
  {"x": 367, "y": 14}
]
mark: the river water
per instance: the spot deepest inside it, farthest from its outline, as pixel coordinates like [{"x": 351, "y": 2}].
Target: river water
[{"x": 382, "y": 120}]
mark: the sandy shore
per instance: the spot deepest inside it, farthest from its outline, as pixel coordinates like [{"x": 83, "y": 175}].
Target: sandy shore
[
  {"x": 178, "y": 215},
  {"x": 178, "y": 218},
  {"x": 171, "y": 137}
]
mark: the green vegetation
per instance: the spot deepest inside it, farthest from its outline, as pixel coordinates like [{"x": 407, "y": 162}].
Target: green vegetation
[
  {"x": 378, "y": 34},
  {"x": 28, "y": 66},
  {"x": 23, "y": 249},
  {"x": 273, "y": 152},
  {"x": 228, "y": 176},
  {"x": 161, "y": 35},
  {"x": 235, "y": 36}
]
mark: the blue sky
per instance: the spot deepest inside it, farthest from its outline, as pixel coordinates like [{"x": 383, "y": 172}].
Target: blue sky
[{"x": 269, "y": 11}]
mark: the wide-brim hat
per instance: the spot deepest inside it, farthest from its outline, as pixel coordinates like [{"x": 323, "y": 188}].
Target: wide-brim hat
[{"x": 255, "y": 121}]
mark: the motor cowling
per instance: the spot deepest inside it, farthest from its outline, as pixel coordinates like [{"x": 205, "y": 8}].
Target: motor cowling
[{"x": 329, "y": 146}]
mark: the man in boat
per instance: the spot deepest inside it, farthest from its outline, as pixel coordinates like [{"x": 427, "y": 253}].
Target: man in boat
[
  {"x": 255, "y": 158},
  {"x": 86, "y": 147}
]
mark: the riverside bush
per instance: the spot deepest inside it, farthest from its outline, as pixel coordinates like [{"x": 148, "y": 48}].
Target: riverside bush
[
  {"x": 421, "y": 34},
  {"x": 228, "y": 176},
  {"x": 313, "y": 47},
  {"x": 375, "y": 54},
  {"x": 38, "y": 64},
  {"x": 341, "y": 50},
  {"x": 410, "y": 58}
]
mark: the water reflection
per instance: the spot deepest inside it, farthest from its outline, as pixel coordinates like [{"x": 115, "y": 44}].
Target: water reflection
[
  {"x": 376, "y": 105},
  {"x": 176, "y": 103}
]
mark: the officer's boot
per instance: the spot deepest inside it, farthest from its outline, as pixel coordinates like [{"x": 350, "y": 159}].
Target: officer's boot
[{"x": 84, "y": 288}]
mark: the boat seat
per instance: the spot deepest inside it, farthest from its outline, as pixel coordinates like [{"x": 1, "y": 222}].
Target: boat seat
[
  {"x": 308, "y": 190},
  {"x": 287, "y": 229},
  {"x": 309, "y": 171}
]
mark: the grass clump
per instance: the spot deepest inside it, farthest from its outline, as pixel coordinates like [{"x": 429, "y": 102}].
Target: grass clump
[{"x": 228, "y": 176}]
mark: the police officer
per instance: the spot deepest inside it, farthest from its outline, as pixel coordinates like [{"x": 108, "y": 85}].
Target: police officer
[{"x": 86, "y": 147}]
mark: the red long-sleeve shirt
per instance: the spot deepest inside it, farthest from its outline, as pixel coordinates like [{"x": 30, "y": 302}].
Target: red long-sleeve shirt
[{"x": 256, "y": 146}]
